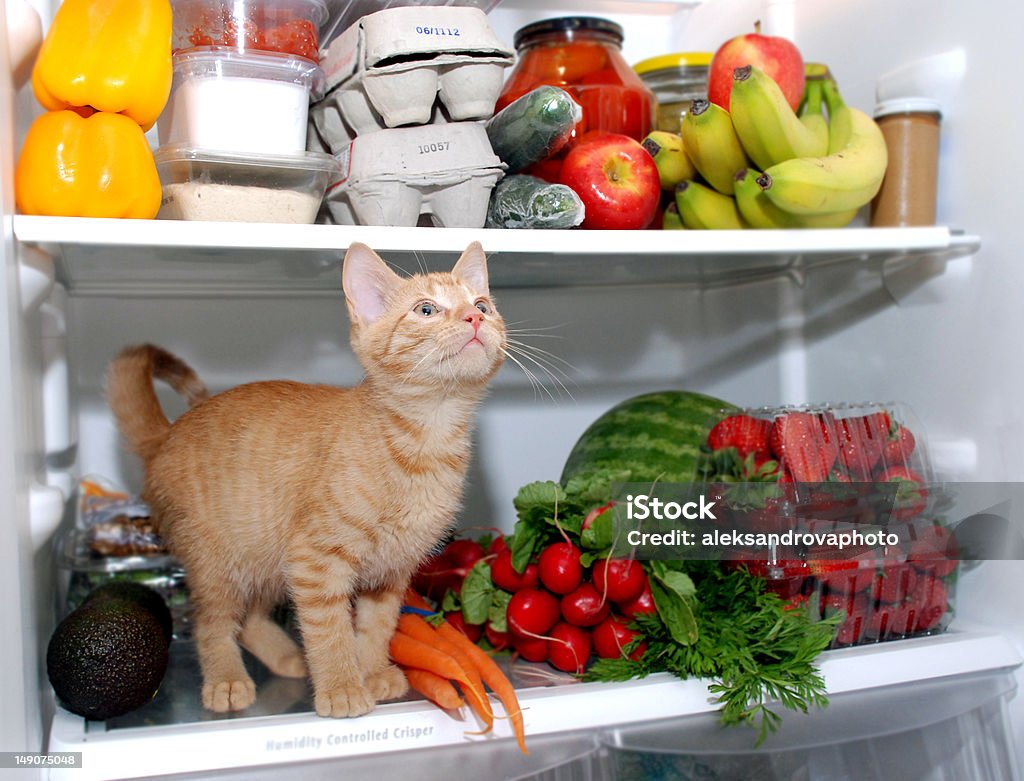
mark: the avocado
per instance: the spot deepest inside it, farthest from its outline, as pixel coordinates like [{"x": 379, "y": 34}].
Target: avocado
[
  {"x": 108, "y": 656},
  {"x": 135, "y": 592}
]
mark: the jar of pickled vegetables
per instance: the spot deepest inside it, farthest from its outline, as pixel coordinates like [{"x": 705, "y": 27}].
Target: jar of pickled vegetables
[{"x": 583, "y": 56}]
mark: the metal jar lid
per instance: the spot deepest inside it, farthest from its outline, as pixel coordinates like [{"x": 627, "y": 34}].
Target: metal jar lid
[{"x": 567, "y": 24}]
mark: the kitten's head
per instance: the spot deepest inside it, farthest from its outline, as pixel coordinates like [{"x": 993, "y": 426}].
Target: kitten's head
[{"x": 437, "y": 329}]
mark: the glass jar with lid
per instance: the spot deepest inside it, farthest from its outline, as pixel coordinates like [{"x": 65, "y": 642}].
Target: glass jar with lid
[
  {"x": 583, "y": 56},
  {"x": 676, "y": 79}
]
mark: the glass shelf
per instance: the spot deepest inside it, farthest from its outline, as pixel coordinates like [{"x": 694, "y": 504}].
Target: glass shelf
[{"x": 169, "y": 258}]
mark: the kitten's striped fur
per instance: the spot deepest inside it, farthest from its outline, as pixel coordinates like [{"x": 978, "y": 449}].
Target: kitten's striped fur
[{"x": 330, "y": 496}]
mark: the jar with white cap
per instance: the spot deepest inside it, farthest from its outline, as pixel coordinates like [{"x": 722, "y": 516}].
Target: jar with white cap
[{"x": 908, "y": 193}]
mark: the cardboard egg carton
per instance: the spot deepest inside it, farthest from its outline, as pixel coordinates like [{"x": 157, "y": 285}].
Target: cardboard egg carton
[
  {"x": 393, "y": 67},
  {"x": 396, "y": 175}
]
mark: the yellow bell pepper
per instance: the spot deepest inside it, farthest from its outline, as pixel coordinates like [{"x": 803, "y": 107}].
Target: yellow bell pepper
[
  {"x": 107, "y": 55},
  {"x": 96, "y": 166}
]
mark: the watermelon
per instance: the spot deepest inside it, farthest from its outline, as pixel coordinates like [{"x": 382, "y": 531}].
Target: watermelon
[{"x": 654, "y": 436}]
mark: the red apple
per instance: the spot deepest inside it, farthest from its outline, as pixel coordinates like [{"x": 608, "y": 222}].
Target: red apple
[
  {"x": 776, "y": 56},
  {"x": 616, "y": 179}
]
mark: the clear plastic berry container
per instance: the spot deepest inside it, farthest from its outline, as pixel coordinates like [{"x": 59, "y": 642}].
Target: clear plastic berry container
[{"x": 836, "y": 506}]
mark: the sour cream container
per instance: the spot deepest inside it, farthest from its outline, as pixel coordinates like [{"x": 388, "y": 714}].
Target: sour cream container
[{"x": 241, "y": 102}]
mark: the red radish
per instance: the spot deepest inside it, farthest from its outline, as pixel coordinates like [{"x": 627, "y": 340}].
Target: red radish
[
  {"x": 531, "y": 612},
  {"x": 456, "y": 619},
  {"x": 611, "y": 636},
  {"x": 592, "y": 516},
  {"x": 498, "y": 544},
  {"x": 498, "y": 640},
  {"x": 569, "y": 648},
  {"x": 436, "y": 575},
  {"x": 620, "y": 580},
  {"x": 504, "y": 576},
  {"x": 464, "y": 553},
  {"x": 585, "y": 606},
  {"x": 532, "y": 649},
  {"x": 559, "y": 567},
  {"x": 641, "y": 605}
]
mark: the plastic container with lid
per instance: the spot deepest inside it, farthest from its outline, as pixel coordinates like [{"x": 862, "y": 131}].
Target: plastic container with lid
[
  {"x": 676, "y": 79},
  {"x": 583, "y": 55},
  {"x": 837, "y": 509},
  {"x": 255, "y": 102},
  {"x": 202, "y": 184},
  {"x": 911, "y": 128},
  {"x": 282, "y": 26}
]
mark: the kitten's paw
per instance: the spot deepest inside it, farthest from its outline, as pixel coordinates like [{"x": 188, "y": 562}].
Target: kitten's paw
[
  {"x": 226, "y": 696},
  {"x": 344, "y": 701},
  {"x": 388, "y": 684}
]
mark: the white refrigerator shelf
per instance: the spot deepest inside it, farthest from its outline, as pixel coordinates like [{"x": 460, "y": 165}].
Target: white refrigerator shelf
[
  {"x": 172, "y": 258},
  {"x": 205, "y": 743}
]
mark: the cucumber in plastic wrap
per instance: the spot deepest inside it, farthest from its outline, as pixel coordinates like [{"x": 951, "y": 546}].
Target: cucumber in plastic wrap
[
  {"x": 533, "y": 126},
  {"x": 522, "y": 201}
]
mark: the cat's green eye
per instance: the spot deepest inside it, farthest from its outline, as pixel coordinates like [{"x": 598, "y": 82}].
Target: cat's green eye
[
  {"x": 426, "y": 308},
  {"x": 482, "y": 306}
]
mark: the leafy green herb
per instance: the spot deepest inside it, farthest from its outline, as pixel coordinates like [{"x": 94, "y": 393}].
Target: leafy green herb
[
  {"x": 756, "y": 650},
  {"x": 476, "y": 593}
]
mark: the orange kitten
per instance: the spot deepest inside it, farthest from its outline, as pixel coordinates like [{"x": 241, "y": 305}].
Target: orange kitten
[{"x": 329, "y": 496}]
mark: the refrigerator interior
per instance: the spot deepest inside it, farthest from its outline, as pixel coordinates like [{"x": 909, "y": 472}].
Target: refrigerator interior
[{"x": 771, "y": 320}]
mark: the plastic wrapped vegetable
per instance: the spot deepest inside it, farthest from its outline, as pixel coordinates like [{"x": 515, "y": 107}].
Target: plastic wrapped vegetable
[
  {"x": 522, "y": 201},
  {"x": 533, "y": 127}
]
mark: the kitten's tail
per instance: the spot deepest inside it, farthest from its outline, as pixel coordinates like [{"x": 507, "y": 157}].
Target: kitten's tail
[{"x": 133, "y": 399}]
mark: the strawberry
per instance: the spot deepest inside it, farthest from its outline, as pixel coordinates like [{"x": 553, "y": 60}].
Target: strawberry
[
  {"x": 861, "y": 441},
  {"x": 932, "y": 600},
  {"x": 934, "y": 551},
  {"x": 745, "y": 433},
  {"x": 911, "y": 497},
  {"x": 894, "y": 583},
  {"x": 843, "y": 577},
  {"x": 805, "y": 444},
  {"x": 898, "y": 448}
]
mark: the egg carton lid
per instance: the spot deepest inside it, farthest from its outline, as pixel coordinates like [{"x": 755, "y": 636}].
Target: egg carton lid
[{"x": 407, "y": 37}]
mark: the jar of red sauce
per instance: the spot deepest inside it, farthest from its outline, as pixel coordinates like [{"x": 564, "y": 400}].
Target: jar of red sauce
[{"x": 583, "y": 56}]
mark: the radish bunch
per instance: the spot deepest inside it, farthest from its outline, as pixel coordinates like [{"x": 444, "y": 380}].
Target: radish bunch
[{"x": 556, "y": 610}]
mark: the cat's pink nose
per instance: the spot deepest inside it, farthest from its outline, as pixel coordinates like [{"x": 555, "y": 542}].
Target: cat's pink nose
[{"x": 474, "y": 317}]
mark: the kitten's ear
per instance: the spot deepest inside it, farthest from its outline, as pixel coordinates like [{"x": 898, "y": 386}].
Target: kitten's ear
[
  {"x": 367, "y": 281},
  {"x": 472, "y": 269}
]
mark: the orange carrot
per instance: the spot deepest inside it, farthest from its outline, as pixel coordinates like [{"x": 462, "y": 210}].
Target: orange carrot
[
  {"x": 473, "y": 687},
  {"x": 438, "y": 690},
  {"x": 492, "y": 676},
  {"x": 413, "y": 598},
  {"x": 409, "y": 652},
  {"x": 489, "y": 670}
]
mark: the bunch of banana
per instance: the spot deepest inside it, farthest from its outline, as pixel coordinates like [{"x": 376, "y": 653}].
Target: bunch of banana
[
  {"x": 669, "y": 156},
  {"x": 770, "y": 166}
]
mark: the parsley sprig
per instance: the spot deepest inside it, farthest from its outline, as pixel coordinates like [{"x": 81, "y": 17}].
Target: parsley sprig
[{"x": 756, "y": 651}]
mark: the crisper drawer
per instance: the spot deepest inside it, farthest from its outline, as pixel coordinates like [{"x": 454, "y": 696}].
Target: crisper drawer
[{"x": 948, "y": 729}]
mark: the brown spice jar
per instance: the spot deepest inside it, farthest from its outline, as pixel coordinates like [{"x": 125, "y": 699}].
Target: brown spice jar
[{"x": 908, "y": 193}]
